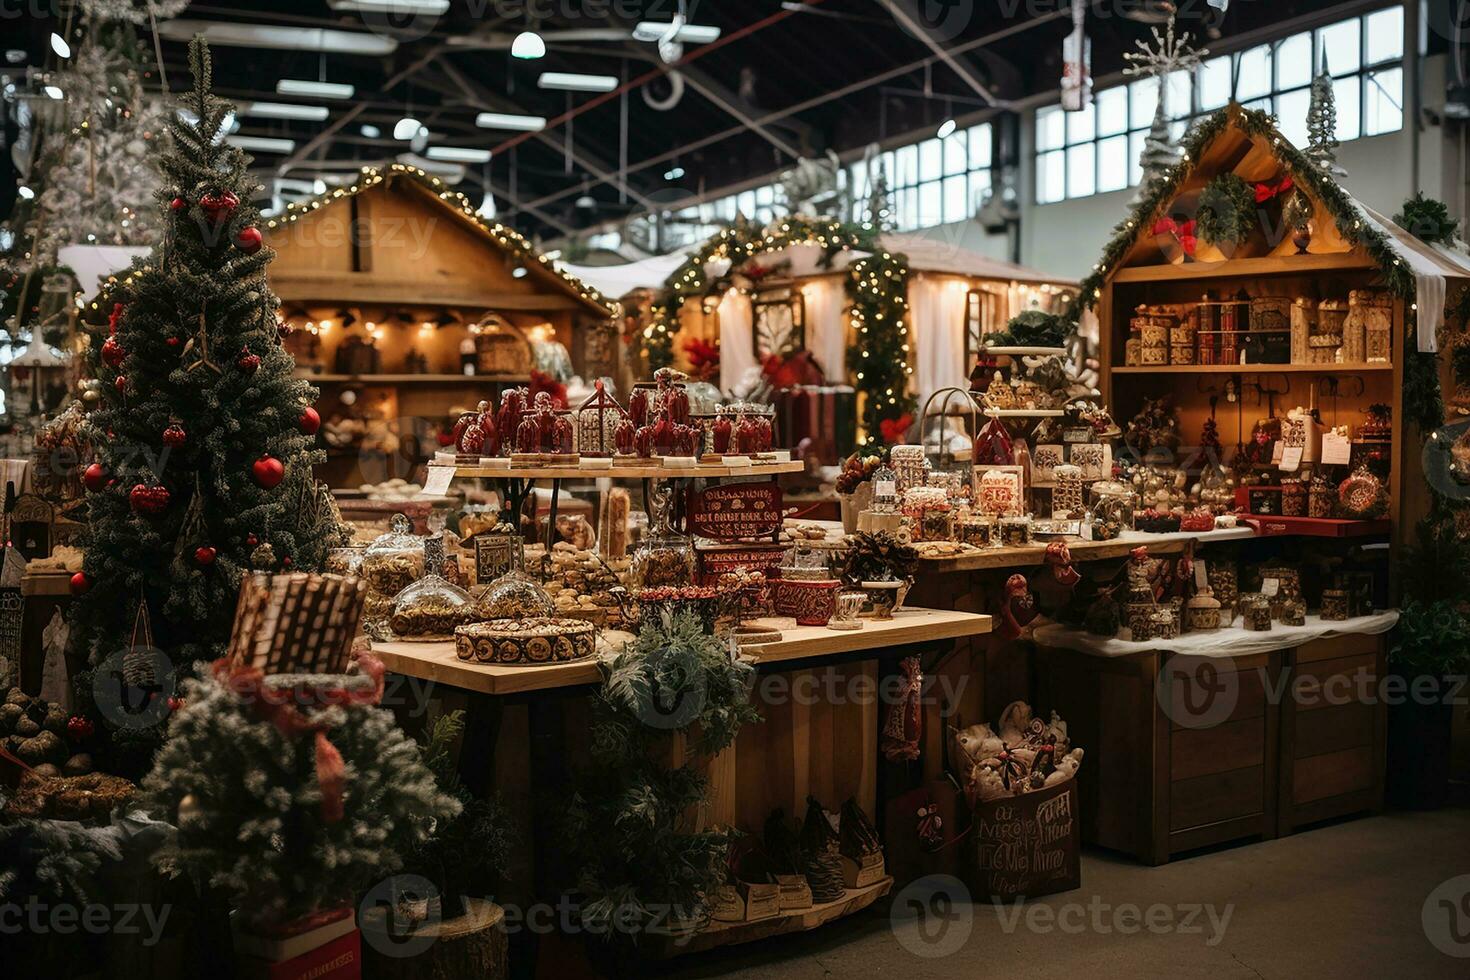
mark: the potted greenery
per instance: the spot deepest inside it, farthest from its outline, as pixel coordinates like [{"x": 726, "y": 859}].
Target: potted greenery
[{"x": 1430, "y": 650}]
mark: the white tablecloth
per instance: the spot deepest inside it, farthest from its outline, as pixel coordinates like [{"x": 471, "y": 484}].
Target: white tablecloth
[{"x": 1233, "y": 641}]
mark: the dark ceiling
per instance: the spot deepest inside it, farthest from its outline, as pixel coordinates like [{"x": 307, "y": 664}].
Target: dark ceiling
[{"x": 858, "y": 75}]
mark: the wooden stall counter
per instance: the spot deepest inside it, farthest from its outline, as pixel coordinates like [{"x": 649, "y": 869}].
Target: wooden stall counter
[{"x": 1028, "y": 556}]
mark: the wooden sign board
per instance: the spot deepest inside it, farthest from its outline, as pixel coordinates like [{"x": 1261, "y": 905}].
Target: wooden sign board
[
  {"x": 1027, "y": 845},
  {"x": 735, "y": 511},
  {"x": 714, "y": 562},
  {"x": 30, "y": 526}
]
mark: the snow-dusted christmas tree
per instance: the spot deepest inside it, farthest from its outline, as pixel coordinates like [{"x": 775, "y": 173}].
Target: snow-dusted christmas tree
[
  {"x": 1322, "y": 124},
  {"x": 1169, "y": 53},
  {"x": 879, "y": 212}
]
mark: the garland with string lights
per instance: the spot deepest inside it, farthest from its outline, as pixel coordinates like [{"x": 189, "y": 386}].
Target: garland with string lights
[{"x": 876, "y": 291}]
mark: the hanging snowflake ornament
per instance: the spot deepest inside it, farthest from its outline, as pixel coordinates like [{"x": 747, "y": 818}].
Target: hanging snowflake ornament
[{"x": 1169, "y": 53}]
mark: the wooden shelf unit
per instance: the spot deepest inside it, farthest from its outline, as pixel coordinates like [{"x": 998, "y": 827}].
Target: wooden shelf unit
[{"x": 1323, "y": 369}]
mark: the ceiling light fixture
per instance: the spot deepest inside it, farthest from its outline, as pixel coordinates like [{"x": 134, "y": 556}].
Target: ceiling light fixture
[
  {"x": 406, "y": 128},
  {"x": 370, "y": 131},
  {"x": 314, "y": 90},
  {"x": 55, "y": 92},
  {"x": 673, "y": 173},
  {"x": 25, "y": 192},
  {"x": 576, "y": 82},
  {"x": 15, "y": 56},
  {"x": 507, "y": 120},
  {"x": 519, "y": 272},
  {"x": 946, "y": 129},
  {"x": 222, "y": 34},
  {"x": 261, "y": 144},
  {"x": 652, "y": 30},
  {"x": 283, "y": 110},
  {"x": 59, "y": 45},
  {"x": 528, "y": 46},
  {"x": 458, "y": 154},
  {"x": 398, "y": 7}
]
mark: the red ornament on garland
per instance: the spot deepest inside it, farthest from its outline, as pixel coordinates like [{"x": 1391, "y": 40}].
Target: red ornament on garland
[
  {"x": 173, "y": 341},
  {"x": 267, "y": 471},
  {"x": 286, "y": 562},
  {"x": 79, "y": 728},
  {"x": 94, "y": 477},
  {"x": 80, "y": 582},
  {"x": 177, "y": 204},
  {"x": 148, "y": 499},
  {"x": 204, "y": 556},
  {"x": 247, "y": 361},
  {"x": 175, "y": 436},
  {"x": 114, "y": 318},
  {"x": 310, "y": 421},
  {"x": 248, "y": 240},
  {"x": 251, "y": 540},
  {"x": 218, "y": 207},
  {"x": 283, "y": 329},
  {"x": 112, "y": 352}
]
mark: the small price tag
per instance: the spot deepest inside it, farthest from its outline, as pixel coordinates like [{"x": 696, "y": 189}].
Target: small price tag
[
  {"x": 1201, "y": 575},
  {"x": 1291, "y": 458},
  {"x": 1337, "y": 450},
  {"x": 1270, "y": 586},
  {"x": 436, "y": 484}
]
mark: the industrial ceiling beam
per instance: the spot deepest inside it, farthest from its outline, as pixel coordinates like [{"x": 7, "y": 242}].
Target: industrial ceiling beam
[{"x": 903, "y": 13}]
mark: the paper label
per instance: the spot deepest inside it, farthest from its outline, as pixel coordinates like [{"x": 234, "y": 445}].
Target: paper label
[
  {"x": 1270, "y": 586},
  {"x": 436, "y": 484},
  {"x": 1337, "y": 450},
  {"x": 1291, "y": 458}
]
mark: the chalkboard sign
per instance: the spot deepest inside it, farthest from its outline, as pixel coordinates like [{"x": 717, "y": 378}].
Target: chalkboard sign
[{"x": 1029, "y": 845}]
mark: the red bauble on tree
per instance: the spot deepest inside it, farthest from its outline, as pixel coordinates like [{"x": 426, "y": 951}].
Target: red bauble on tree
[
  {"x": 251, "y": 540},
  {"x": 120, "y": 383},
  {"x": 268, "y": 471},
  {"x": 177, "y": 204},
  {"x": 218, "y": 207},
  {"x": 310, "y": 421},
  {"x": 112, "y": 352},
  {"x": 94, "y": 477},
  {"x": 79, "y": 728},
  {"x": 248, "y": 240},
  {"x": 80, "y": 582},
  {"x": 148, "y": 499},
  {"x": 204, "y": 556},
  {"x": 175, "y": 436},
  {"x": 247, "y": 361}
]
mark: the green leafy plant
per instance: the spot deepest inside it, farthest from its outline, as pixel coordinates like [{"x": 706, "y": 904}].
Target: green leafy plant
[
  {"x": 1227, "y": 210},
  {"x": 1033, "y": 328},
  {"x": 629, "y": 828},
  {"x": 1432, "y": 639},
  {"x": 1428, "y": 220}
]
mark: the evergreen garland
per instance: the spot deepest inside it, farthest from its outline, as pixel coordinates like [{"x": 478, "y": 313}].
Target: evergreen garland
[
  {"x": 1227, "y": 210},
  {"x": 1428, "y": 220}
]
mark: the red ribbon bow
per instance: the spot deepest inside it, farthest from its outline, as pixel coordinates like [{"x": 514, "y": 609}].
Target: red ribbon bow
[
  {"x": 1183, "y": 231},
  {"x": 893, "y": 429},
  {"x": 281, "y": 706},
  {"x": 1266, "y": 191}
]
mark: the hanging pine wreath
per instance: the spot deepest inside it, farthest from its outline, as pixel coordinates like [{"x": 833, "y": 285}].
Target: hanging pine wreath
[
  {"x": 1428, "y": 220},
  {"x": 1227, "y": 211}
]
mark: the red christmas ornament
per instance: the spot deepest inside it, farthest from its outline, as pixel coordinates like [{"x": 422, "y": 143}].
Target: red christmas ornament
[
  {"x": 148, "y": 499},
  {"x": 311, "y": 420},
  {"x": 79, "y": 728},
  {"x": 120, "y": 383},
  {"x": 286, "y": 562},
  {"x": 204, "y": 556},
  {"x": 247, "y": 361},
  {"x": 248, "y": 240},
  {"x": 283, "y": 329},
  {"x": 94, "y": 477},
  {"x": 175, "y": 436},
  {"x": 251, "y": 540},
  {"x": 114, "y": 318},
  {"x": 177, "y": 204},
  {"x": 267, "y": 471},
  {"x": 173, "y": 341},
  {"x": 112, "y": 352},
  {"x": 80, "y": 582},
  {"x": 218, "y": 207}
]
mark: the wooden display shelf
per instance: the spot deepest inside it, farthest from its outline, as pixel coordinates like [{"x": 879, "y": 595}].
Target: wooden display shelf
[
  {"x": 410, "y": 379},
  {"x": 638, "y": 472},
  {"x": 802, "y": 920},
  {"x": 1035, "y": 554},
  {"x": 437, "y": 661},
  {"x": 1253, "y": 368},
  {"x": 1271, "y": 526},
  {"x": 1265, "y": 265}
]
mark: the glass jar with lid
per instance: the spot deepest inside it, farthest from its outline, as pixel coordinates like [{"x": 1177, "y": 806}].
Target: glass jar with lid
[
  {"x": 1112, "y": 505},
  {"x": 430, "y": 608},
  {"x": 515, "y": 594},
  {"x": 391, "y": 563},
  {"x": 664, "y": 557}
]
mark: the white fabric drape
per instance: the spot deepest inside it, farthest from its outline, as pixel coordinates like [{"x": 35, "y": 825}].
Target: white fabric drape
[
  {"x": 937, "y": 328},
  {"x": 825, "y": 304},
  {"x": 737, "y": 344}
]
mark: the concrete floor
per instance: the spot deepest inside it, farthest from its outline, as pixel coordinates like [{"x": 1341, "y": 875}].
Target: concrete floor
[{"x": 1345, "y": 900}]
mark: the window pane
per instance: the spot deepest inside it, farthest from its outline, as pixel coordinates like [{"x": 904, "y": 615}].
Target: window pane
[
  {"x": 930, "y": 159},
  {"x": 1383, "y": 110},
  {"x": 1294, "y": 61},
  {"x": 1081, "y": 125},
  {"x": 764, "y": 195},
  {"x": 1346, "y": 96},
  {"x": 1135, "y": 154},
  {"x": 904, "y": 167},
  {"x": 1112, "y": 164},
  {"x": 1255, "y": 73},
  {"x": 1081, "y": 170},
  {"x": 1051, "y": 172},
  {"x": 1386, "y": 35},
  {"x": 1339, "y": 42},
  {"x": 1181, "y": 95},
  {"x": 930, "y": 210},
  {"x": 1264, "y": 105},
  {"x": 955, "y": 152},
  {"x": 909, "y": 208},
  {"x": 1112, "y": 111},
  {"x": 1049, "y": 128},
  {"x": 1214, "y": 83},
  {"x": 1143, "y": 100},
  {"x": 1291, "y": 116},
  {"x": 746, "y": 203},
  {"x": 956, "y": 200},
  {"x": 980, "y": 146},
  {"x": 979, "y": 189}
]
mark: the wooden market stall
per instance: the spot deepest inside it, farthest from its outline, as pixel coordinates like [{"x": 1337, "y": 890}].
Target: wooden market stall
[{"x": 406, "y": 304}]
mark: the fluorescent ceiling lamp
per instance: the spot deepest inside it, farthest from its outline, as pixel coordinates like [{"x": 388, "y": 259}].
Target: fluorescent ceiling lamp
[
  {"x": 576, "y": 82},
  {"x": 946, "y": 129},
  {"x": 406, "y": 128},
  {"x": 59, "y": 45},
  {"x": 674, "y": 173},
  {"x": 370, "y": 131},
  {"x": 15, "y": 55},
  {"x": 55, "y": 92},
  {"x": 506, "y": 120},
  {"x": 261, "y": 144},
  {"x": 652, "y": 30},
  {"x": 223, "y": 34},
  {"x": 458, "y": 154},
  {"x": 399, "y": 7},
  {"x": 528, "y": 45},
  {"x": 314, "y": 90},
  {"x": 283, "y": 110}
]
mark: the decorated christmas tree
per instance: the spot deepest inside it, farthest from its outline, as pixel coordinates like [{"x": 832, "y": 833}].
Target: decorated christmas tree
[
  {"x": 203, "y": 438},
  {"x": 1170, "y": 53},
  {"x": 1322, "y": 124}
]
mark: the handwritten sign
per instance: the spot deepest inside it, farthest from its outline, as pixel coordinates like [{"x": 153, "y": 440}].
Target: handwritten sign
[
  {"x": 1028, "y": 845},
  {"x": 735, "y": 511}
]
